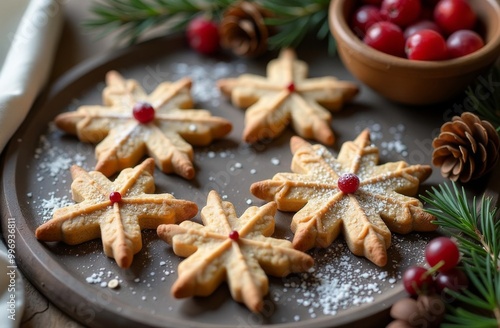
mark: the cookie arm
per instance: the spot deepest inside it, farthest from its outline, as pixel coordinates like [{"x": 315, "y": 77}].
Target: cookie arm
[
  {"x": 171, "y": 153},
  {"x": 61, "y": 227}
]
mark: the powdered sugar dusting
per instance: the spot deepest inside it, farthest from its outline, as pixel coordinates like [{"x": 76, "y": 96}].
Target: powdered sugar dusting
[
  {"x": 339, "y": 281},
  {"x": 53, "y": 162},
  {"x": 51, "y": 203},
  {"x": 388, "y": 146},
  {"x": 204, "y": 88}
]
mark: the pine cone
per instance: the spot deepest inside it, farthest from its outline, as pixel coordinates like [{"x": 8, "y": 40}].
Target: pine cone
[
  {"x": 466, "y": 149},
  {"x": 243, "y": 31}
]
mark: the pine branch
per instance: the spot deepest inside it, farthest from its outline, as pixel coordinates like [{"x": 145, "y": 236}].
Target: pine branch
[
  {"x": 295, "y": 19},
  {"x": 477, "y": 230},
  {"x": 133, "y": 18}
]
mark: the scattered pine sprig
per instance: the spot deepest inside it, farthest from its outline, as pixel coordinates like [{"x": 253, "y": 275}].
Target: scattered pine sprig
[
  {"x": 295, "y": 19},
  {"x": 131, "y": 19},
  {"x": 477, "y": 230}
]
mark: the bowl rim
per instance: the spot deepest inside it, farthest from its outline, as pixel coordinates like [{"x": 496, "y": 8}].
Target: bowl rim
[{"x": 482, "y": 57}]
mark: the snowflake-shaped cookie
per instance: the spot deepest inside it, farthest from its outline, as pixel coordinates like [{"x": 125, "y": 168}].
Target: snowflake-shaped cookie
[
  {"x": 114, "y": 211},
  {"x": 238, "y": 250},
  {"x": 158, "y": 126},
  {"x": 285, "y": 95},
  {"x": 365, "y": 216}
]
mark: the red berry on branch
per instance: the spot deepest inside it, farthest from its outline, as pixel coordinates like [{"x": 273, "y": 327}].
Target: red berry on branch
[
  {"x": 442, "y": 250},
  {"x": 115, "y": 197},
  {"x": 203, "y": 35},
  {"x": 454, "y": 279},
  {"x": 417, "y": 280},
  {"x": 348, "y": 183},
  {"x": 143, "y": 112}
]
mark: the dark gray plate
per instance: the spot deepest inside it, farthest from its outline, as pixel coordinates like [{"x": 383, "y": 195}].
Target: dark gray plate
[{"x": 343, "y": 289}]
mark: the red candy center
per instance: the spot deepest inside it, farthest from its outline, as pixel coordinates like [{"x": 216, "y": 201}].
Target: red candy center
[
  {"x": 348, "y": 183},
  {"x": 234, "y": 235},
  {"x": 115, "y": 197},
  {"x": 291, "y": 87},
  {"x": 143, "y": 112}
]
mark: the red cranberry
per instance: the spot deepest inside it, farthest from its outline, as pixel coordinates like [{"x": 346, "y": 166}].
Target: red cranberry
[
  {"x": 426, "y": 45},
  {"x": 401, "y": 12},
  {"x": 115, "y": 197},
  {"x": 364, "y": 17},
  {"x": 417, "y": 280},
  {"x": 454, "y": 279},
  {"x": 443, "y": 251},
  {"x": 291, "y": 87},
  {"x": 421, "y": 25},
  {"x": 234, "y": 235},
  {"x": 143, "y": 112},
  {"x": 386, "y": 37},
  {"x": 203, "y": 35},
  {"x": 348, "y": 183},
  {"x": 454, "y": 15},
  {"x": 463, "y": 42}
]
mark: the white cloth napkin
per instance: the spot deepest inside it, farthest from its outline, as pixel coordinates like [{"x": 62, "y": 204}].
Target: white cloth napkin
[
  {"x": 29, "y": 57},
  {"x": 31, "y": 30}
]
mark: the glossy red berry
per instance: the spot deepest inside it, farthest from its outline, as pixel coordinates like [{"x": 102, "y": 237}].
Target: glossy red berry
[
  {"x": 426, "y": 45},
  {"x": 143, "y": 112},
  {"x": 115, "y": 197},
  {"x": 348, "y": 183},
  {"x": 421, "y": 25},
  {"x": 417, "y": 280},
  {"x": 234, "y": 235},
  {"x": 401, "y": 12},
  {"x": 291, "y": 87},
  {"x": 203, "y": 35},
  {"x": 454, "y": 279},
  {"x": 454, "y": 15},
  {"x": 442, "y": 249},
  {"x": 364, "y": 17},
  {"x": 386, "y": 37},
  {"x": 463, "y": 42}
]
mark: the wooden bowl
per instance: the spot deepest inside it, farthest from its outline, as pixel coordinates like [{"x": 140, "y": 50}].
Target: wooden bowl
[{"x": 409, "y": 81}]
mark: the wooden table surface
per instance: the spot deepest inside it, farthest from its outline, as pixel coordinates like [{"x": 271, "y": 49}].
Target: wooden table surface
[{"x": 76, "y": 45}]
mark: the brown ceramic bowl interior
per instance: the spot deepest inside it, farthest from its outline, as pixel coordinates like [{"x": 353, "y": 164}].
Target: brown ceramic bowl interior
[{"x": 409, "y": 81}]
